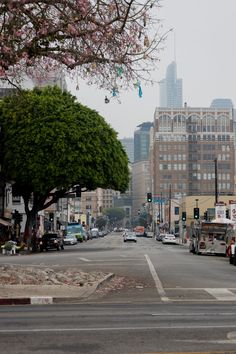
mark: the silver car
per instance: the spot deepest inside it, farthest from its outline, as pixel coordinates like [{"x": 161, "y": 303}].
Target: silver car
[
  {"x": 70, "y": 240},
  {"x": 130, "y": 236},
  {"x": 169, "y": 238}
]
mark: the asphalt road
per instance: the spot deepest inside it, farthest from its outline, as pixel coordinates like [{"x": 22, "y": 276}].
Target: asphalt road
[{"x": 163, "y": 299}]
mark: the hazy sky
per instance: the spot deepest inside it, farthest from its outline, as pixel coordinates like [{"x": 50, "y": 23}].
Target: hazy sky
[{"x": 205, "y": 37}]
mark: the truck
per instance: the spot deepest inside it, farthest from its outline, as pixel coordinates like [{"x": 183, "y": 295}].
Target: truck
[
  {"x": 139, "y": 231},
  {"x": 211, "y": 238}
]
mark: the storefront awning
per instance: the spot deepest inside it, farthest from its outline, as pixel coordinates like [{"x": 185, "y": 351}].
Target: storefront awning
[{"x": 5, "y": 222}]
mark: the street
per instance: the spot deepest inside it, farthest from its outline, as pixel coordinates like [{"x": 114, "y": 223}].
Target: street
[{"x": 162, "y": 299}]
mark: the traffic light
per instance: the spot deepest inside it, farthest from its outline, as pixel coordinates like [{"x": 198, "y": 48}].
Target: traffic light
[
  {"x": 184, "y": 216},
  {"x": 77, "y": 191},
  {"x": 149, "y": 197},
  {"x": 206, "y": 215},
  {"x": 196, "y": 213},
  {"x": 227, "y": 213},
  {"x": 51, "y": 217},
  {"x": 17, "y": 217}
]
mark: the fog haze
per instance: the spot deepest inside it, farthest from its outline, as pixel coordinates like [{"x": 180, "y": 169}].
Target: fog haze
[{"x": 204, "y": 39}]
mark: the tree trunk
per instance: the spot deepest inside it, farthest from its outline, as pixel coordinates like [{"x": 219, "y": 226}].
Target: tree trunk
[{"x": 30, "y": 222}]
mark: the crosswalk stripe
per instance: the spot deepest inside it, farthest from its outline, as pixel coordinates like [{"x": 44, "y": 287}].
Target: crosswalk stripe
[{"x": 221, "y": 294}]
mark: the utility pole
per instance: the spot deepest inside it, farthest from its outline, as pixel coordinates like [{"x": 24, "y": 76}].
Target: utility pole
[
  {"x": 169, "y": 208},
  {"x": 216, "y": 182}
]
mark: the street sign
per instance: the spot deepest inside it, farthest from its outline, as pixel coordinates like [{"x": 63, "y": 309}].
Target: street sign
[{"x": 159, "y": 200}]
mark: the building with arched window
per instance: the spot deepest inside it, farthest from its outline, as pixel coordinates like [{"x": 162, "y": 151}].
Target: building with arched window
[{"x": 186, "y": 143}]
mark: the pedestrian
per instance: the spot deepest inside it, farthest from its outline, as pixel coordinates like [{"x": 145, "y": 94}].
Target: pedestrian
[{"x": 229, "y": 250}]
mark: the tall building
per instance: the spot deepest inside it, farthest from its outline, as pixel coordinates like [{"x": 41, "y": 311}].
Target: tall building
[
  {"x": 128, "y": 144},
  {"x": 142, "y": 142},
  {"x": 171, "y": 88},
  {"x": 187, "y": 144}
]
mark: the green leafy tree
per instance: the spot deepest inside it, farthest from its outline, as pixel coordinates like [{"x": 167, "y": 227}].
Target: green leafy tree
[
  {"x": 101, "y": 221},
  {"x": 52, "y": 143},
  {"x": 115, "y": 215}
]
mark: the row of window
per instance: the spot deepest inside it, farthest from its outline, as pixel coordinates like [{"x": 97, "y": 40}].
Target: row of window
[
  {"x": 210, "y": 176},
  {"x": 199, "y": 176},
  {"x": 219, "y": 122},
  {"x": 195, "y": 186},
  {"x": 167, "y": 147},
  {"x": 182, "y": 148},
  {"x": 176, "y": 166},
  {"x": 209, "y": 156},
  {"x": 176, "y": 186},
  {"x": 180, "y": 167},
  {"x": 175, "y": 157},
  {"x": 185, "y": 138}
]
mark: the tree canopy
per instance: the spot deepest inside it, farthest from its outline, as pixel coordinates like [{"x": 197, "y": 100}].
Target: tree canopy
[
  {"x": 51, "y": 143},
  {"x": 111, "y": 42},
  {"x": 115, "y": 214}
]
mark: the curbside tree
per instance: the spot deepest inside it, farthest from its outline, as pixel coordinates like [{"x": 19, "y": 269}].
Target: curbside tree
[{"x": 52, "y": 143}]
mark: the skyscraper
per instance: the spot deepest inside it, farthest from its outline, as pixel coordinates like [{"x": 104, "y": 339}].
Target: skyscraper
[
  {"x": 128, "y": 144},
  {"x": 142, "y": 141},
  {"x": 171, "y": 88}
]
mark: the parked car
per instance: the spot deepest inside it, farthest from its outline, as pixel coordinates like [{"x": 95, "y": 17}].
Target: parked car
[
  {"x": 169, "y": 238},
  {"x": 129, "y": 236},
  {"x": 50, "y": 241},
  {"x": 94, "y": 233},
  {"x": 149, "y": 233},
  {"x": 159, "y": 237},
  {"x": 70, "y": 240}
]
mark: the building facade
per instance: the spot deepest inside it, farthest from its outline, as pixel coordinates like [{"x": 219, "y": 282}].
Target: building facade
[
  {"x": 140, "y": 184},
  {"x": 142, "y": 142},
  {"x": 190, "y": 145},
  {"x": 128, "y": 144}
]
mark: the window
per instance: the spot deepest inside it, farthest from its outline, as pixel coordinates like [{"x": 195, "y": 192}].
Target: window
[
  {"x": 165, "y": 123},
  {"x": 176, "y": 210}
]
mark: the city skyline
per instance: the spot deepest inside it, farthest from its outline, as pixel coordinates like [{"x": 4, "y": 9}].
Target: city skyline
[{"x": 203, "y": 37}]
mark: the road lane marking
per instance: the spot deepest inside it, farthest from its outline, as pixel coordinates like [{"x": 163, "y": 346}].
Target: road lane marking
[
  {"x": 157, "y": 281},
  {"x": 85, "y": 259},
  {"x": 221, "y": 294},
  {"x": 99, "y": 329}
]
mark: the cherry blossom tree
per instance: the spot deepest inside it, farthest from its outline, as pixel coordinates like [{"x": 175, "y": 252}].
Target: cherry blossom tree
[{"x": 111, "y": 43}]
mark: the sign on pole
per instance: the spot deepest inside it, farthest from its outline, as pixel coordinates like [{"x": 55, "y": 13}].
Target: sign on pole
[
  {"x": 232, "y": 210},
  {"x": 220, "y": 209}
]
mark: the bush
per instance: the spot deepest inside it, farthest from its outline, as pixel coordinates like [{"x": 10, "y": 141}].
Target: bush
[{"x": 8, "y": 246}]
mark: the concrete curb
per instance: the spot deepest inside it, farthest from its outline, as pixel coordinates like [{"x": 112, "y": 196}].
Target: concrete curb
[{"x": 49, "y": 300}]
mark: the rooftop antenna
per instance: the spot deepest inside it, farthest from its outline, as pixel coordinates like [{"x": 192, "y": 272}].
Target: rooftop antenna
[{"x": 174, "y": 45}]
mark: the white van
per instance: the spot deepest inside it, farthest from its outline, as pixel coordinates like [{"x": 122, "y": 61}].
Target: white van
[{"x": 94, "y": 233}]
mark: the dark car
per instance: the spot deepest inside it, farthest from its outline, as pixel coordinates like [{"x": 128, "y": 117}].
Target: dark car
[{"x": 50, "y": 241}]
